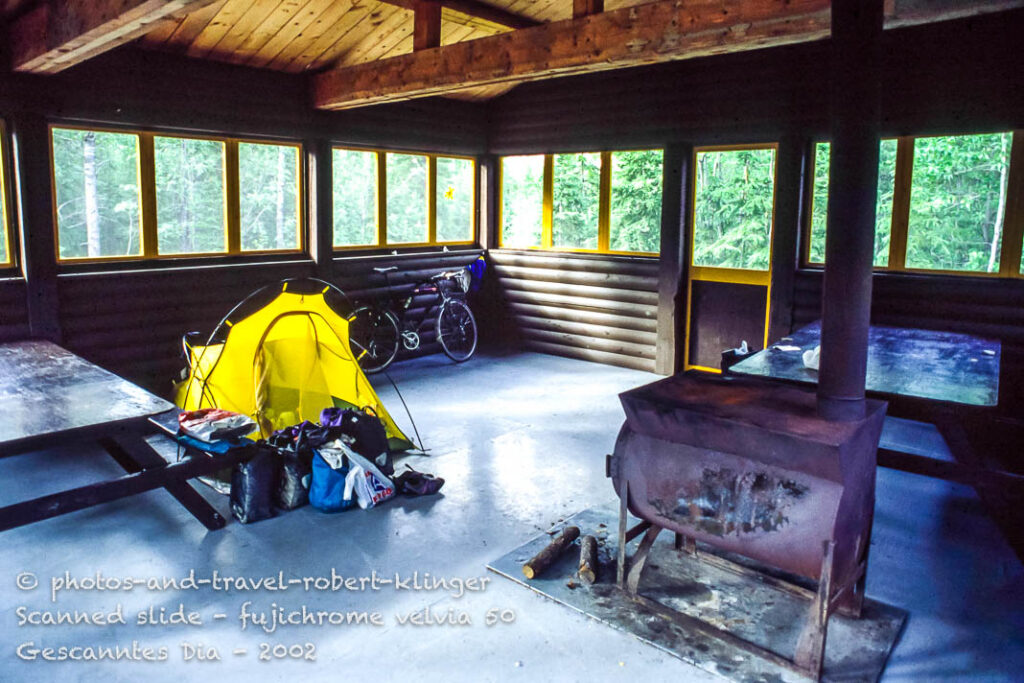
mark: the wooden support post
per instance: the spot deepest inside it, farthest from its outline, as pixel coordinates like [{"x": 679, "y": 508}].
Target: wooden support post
[
  {"x": 488, "y": 205},
  {"x": 672, "y": 262},
  {"x": 583, "y": 8},
  {"x": 789, "y": 189},
  {"x": 320, "y": 211},
  {"x": 853, "y": 189},
  {"x": 426, "y": 31},
  {"x": 34, "y": 185}
]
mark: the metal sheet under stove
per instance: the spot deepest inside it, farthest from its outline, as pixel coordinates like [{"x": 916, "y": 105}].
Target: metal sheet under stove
[{"x": 752, "y": 609}]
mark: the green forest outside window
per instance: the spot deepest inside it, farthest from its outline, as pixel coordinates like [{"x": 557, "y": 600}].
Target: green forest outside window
[
  {"x": 605, "y": 202},
  {"x": 398, "y": 198},
  {"x": 130, "y": 195},
  {"x": 734, "y": 199},
  {"x": 947, "y": 200}
]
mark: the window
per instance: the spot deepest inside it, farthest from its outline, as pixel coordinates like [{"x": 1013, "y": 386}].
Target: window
[
  {"x": 423, "y": 200},
  {"x": 945, "y": 204},
  {"x": 958, "y": 202},
  {"x": 636, "y": 201},
  {"x": 407, "y": 199},
  {"x": 122, "y": 194},
  {"x": 883, "y": 210},
  {"x": 190, "y": 196},
  {"x": 355, "y": 197},
  {"x": 98, "y": 196},
  {"x": 6, "y": 217},
  {"x": 606, "y": 202},
  {"x": 575, "y": 200},
  {"x": 270, "y": 218},
  {"x": 522, "y": 200},
  {"x": 454, "y": 199},
  {"x": 734, "y": 207}
]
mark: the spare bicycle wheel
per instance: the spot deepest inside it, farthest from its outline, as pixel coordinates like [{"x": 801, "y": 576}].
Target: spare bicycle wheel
[
  {"x": 373, "y": 338},
  {"x": 456, "y": 330}
]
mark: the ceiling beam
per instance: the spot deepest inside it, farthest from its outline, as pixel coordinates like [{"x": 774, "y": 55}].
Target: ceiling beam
[
  {"x": 480, "y": 10},
  {"x": 426, "y": 32},
  {"x": 643, "y": 34},
  {"x": 662, "y": 31},
  {"x": 57, "y": 34}
]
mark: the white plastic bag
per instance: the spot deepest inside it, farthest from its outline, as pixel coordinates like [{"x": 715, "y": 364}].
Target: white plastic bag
[
  {"x": 368, "y": 483},
  {"x": 811, "y": 358}
]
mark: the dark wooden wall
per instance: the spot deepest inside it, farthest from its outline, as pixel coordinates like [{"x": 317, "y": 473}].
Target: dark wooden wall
[
  {"x": 957, "y": 77},
  {"x": 130, "y": 317},
  {"x": 599, "y": 308}
]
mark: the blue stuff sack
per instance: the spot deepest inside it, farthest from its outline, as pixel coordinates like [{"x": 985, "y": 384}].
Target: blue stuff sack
[{"x": 327, "y": 488}]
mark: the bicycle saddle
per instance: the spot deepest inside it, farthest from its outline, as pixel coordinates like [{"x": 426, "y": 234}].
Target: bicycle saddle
[{"x": 387, "y": 269}]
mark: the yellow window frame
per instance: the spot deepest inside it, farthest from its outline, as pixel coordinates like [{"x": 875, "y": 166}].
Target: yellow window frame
[
  {"x": 381, "y": 196},
  {"x": 1013, "y": 221},
  {"x": 739, "y": 276},
  {"x": 6, "y": 195},
  {"x": 149, "y": 228},
  {"x": 547, "y": 207}
]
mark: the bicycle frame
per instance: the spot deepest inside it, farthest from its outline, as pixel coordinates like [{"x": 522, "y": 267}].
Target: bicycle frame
[{"x": 399, "y": 306}]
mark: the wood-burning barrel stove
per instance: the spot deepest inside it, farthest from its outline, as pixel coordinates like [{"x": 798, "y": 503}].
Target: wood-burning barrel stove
[{"x": 749, "y": 467}]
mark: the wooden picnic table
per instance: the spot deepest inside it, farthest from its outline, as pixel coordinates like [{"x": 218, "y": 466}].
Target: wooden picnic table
[{"x": 50, "y": 397}]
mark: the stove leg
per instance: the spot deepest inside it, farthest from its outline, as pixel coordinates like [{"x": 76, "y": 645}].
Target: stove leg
[
  {"x": 810, "y": 650},
  {"x": 620, "y": 563},
  {"x": 636, "y": 567}
]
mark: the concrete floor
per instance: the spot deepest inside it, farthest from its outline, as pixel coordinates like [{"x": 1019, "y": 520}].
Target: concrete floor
[{"x": 520, "y": 440}]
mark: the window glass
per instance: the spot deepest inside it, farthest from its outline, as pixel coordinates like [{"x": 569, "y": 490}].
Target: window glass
[
  {"x": 96, "y": 185},
  {"x": 268, "y": 177},
  {"x": 454, "y": 200},
  {"x": 406, "y": 198},
  {"x": 635, "y": 221},
  {"x": 576, "y": 200},
  {"x": 355, "y": 198},
  {"x": 189, "y": 195},
  {"x": 883, "y": 209},
  {"x": 733, "y": 208},
  {"x": 522, "y": 200},
  {"x": 957, "y": 202}
]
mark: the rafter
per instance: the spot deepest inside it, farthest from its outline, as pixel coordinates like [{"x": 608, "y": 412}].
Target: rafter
[
  {"x": 57, "y": 34},
  {"x": 479, "y": 10}
]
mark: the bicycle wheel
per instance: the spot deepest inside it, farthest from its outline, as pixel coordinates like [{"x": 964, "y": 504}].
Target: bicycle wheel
[
  {"x": 373, "y": 337},
  {"x": 456, "y": 330}
]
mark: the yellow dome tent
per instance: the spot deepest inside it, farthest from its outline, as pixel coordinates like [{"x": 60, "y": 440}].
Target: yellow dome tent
[{"x": 282, "y": 363}]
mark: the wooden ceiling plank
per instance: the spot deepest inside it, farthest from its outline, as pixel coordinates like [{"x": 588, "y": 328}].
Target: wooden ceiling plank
[
  {"x": 54, "y": 36},
  {"x": 231, "y": 43},
  {"x": 219, "y": 26},
  {"x": 315, "y": 13},
  {"x": 193, "y": 25},
  {"x": 336, "y": 21},
  {"x": 352, "y": 29},
  {"x": 274, "y": 23},
  {"x": 393, "y": 25},
  {"x": 649, "y": 33}
]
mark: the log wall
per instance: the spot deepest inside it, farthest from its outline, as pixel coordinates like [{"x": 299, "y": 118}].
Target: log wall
[{"x": 598, "y": 308}]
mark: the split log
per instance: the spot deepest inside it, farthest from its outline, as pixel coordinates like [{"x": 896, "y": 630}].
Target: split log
[
  {"x": 588, "y": 560},
  {"x": 540, "y": 562}
]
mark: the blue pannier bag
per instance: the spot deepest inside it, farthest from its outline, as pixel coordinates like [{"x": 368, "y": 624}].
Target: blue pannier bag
[
  {"x": 327, "y": 488},
  {"x": 476, "y": 273}
]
